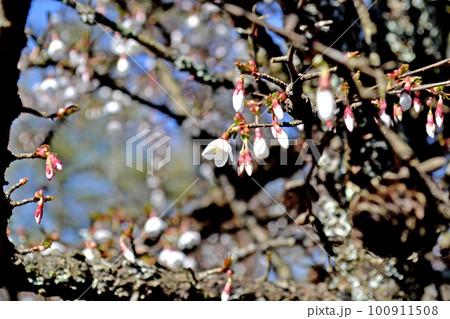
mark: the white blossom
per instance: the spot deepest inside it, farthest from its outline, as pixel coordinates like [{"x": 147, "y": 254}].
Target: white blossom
[
  {"x": 189, "y": 240},
  {"x": 218, "y": 150}
]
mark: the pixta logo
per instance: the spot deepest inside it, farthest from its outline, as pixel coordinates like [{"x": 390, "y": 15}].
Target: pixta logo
[{"x": 148, "y": 150}]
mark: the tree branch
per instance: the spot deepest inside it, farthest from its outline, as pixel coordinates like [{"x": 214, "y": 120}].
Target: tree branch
[{"x": 181, "y": 62}]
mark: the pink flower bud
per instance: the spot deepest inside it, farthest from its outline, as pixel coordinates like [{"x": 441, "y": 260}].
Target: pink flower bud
[
  {"x": 248, "y": 162},
  {"x": 407, "y": 86},
  {"x": 49, "y": 171},
  {"x": 239, "y": 118},
  {"x": 226, "y": 290},
  {"x": 127, "y": 253},
  {"x": 241, "y": 162},
  {"x": 326, "y": 106},
  {"x": 55, "y": 162},
  {"x": 430, "y": 126},
  {"x": 43, "y": 150},
  {"x": 398, "y": 112},
  {"x": 280, "y": 134},
  {"x": 260, "y": 147},
  {"x": 277, "y": 109},
  {"x": 38, "y": 194},
  {"x": 39, "y": 211},
  {"x": 417, "y": 104},
  {"x": 439, "y": 114},
  {"x": 383, "y": 107},
  {"x": 238, "y": 95},
  {"x": 349, "y": 118}
]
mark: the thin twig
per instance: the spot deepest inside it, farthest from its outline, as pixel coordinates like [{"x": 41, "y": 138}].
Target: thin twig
[
  {"x": 23, "y": 202},
  {"x": 285, "y": 124},
  {"x": 422, "y": 87},
  {"x": 9, "y": 191},
  {"x": 431, "y": 66},
  {"x": 272, "y": 79}
]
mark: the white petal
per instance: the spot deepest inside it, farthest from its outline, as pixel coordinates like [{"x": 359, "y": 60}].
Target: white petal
[
  {"x": 261, "y": 149},
  {"x": 278, "y": 112},
  {"x": 431, "y": 129},
  {"x": 249, "y": 169},
  {"x": 240, "y": 169},
  {"x": 439, "y": 121},
  {"x": 128, "y": 254},
  {"x": 238, "y": 101},
  {"x": 274, "y": 133},
  {"x": 349, "y": 123},
  {"x": 211, "y": 149},
  {"x": 224, "y": 296},
  {"x": 325, "y": 105},
  {"x": 220, "y": 159},
  {"x": 283, "y": 140}
]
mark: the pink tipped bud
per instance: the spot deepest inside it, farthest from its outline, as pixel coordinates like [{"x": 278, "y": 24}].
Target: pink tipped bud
[
  {"x": 326, "y": 105},
  {"x": 439, "y": 114},
  {"x": 127, "y": 253},
  {"x": 248, "y": 162},
  {"x": 38, "y": 194},
  {"x": 398, "y": 112},
  {"x": 260, "y": 147},
  {"x": 49, "y": 171},
  {"x": 280, "y": 135},
  {"x": 407, "y": 86},
  {"x": 39, "y": 211},
  {"x": 383, "y": 106},
  {"x": 239, "y": 118},
  {"x": 226, "y": 290},
  {"x": 43, "y": 150},
  {"x": 23, "y": 181},
  {"x": 55, "y": 162},
  {"x": 430, "y": 126},
  {"x": 238, "y": 95},
  {"x": 417, "y": 104},
  {"x": 241, "y": 162},
  {"x": 349, "y": 118},
  {"x": 277, "y": 109}
]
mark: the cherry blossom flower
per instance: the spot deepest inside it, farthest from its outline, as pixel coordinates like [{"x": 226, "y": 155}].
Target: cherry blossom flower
[
  {"x": 430, "y": 126},
  {"x": 56, "y": 48},
  {"x": 227, "y": 289},
  {"x": 218, "y": 150},
  {"x": 189, "y": 240},
  {"x": 326, "y": 106},
  {"x": 439, "y": 114},
  {"x": 280, "y": 135},
  {"x": 349, "y": 118},
  {"x": 277, "y": 109},
  {"x": 416, "y": 102},
  {"x": 260, "y": 147},
  {"x": 173, "y": 259},
  {"x": 245, "y": 159},
  {"x": 154, "y": 226},
  {"x": 126, "y": 251},
  {"x": 238, "y": 95},
  {"x": 398, "y": 112},
  {"x": 386, "y": 119}
]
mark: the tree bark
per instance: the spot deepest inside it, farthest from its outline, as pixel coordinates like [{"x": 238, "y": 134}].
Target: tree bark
[{"x": 13, "y": 15}]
